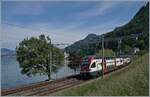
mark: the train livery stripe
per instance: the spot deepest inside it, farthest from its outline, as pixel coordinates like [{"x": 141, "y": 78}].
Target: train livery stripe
[{"x": 109, "y": 64}]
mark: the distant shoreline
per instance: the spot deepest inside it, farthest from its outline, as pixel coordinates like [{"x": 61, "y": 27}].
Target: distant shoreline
[{"x": 8, "y": 55}]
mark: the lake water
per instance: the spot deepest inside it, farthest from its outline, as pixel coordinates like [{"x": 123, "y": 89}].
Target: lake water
[{"x": 11, "y": 73}]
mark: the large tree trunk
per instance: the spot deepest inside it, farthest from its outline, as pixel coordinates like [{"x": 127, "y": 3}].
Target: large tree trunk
[
  {"x": 48, "y": 73},
  {"x": 75, "y": 70},
  {"x": 49, "y": 76}
]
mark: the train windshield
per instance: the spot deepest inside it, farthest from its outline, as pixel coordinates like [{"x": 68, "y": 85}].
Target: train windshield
[{"x": 85, "y": 62}]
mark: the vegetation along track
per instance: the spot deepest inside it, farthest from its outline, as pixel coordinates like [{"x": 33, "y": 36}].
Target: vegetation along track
[{"x": 47, "y": 87}]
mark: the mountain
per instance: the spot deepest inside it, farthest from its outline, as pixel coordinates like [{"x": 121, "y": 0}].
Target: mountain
[
  {"x": 139, "y": 23},
  {"x": 5, "y": 52},
  {"x": 83, "y": 44}
]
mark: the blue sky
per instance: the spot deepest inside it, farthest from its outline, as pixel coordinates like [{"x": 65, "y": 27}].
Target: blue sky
[{"x": 64, "y": 22}]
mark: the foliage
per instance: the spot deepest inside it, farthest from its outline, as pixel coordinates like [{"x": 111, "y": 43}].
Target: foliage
[
  {"x": 141, "y": 52},
  {"x": 33, "y": 55},
  {"x": 107, "y": 52},
  {"x": 127, "y": 49},
  {"x": 57, "y": 58},
  {"x": 74, "y": 61},
  {"x": 139, "y": 23},
  {"x": 86, "y": 46}
]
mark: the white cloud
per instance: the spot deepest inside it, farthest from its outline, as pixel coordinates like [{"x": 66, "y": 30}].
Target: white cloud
[
  {"x": 99, "y": 9},
  {"x": 67, "y": 33},
  {"x": 56, "y": 27},
  {"x": 108, "y": 25},
  {"x": 12, "y": 35}
]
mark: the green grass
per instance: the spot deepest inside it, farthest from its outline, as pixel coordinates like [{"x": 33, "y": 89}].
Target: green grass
[{"x": 133, "y": 80}]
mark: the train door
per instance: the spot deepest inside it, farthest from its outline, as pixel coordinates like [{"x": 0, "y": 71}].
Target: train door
[
  {"x": 105, "y": 66},
  {"x": 99, "y": 68}
]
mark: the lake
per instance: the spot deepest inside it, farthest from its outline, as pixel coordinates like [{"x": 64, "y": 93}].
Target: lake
[{"x": 11, "y": 73}]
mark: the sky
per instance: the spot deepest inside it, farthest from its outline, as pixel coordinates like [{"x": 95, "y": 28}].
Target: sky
[{"x": 63, "y": 21}]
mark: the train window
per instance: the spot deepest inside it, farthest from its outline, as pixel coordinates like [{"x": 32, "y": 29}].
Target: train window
[
  {"x": 120, "y": 60},
  {"x": 99, "y": 64},
  {"x": 93, "y": 65},
  {"x": 85, "y": 64}
]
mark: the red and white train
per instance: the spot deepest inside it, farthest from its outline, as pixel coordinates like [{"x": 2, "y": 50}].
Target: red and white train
[{"x": 92, "y": 65}]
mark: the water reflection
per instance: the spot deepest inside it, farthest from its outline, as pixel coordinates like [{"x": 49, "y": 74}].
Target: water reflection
[{"x": 12, "y": 77}]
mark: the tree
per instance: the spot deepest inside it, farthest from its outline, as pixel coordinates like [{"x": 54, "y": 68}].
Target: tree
[
  {"x": 74, "y": 61},
  {"x": 127, "y": 49},
  {"x": 58, "y": 58},
  {"x": 35, "y": 56},
  {"x": 107, "y": 52}
]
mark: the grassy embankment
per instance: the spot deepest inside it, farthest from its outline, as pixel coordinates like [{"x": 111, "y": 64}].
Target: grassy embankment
[{"x": 133, "y": 80}]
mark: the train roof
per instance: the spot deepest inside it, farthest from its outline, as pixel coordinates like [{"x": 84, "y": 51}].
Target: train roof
[
  {"x": 106, "y": 57},
  {"x": 98, "y": 57}
]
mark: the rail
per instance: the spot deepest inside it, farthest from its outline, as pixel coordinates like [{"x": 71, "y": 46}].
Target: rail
[{"x": 47, "y": 87}]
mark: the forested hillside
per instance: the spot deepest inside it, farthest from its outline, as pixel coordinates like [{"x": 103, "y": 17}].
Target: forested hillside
[{"x": 139, "y": 23}]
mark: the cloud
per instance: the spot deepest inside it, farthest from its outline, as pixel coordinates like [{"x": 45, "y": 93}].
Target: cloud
[
  {"x": 67, "y": 28},
  {"x": 99, "y": 9},
  {"x": 57, "y": 27},
  {"x": 67, "y": 33},
  {"x": 27, "y": 8},
  {"x": 12, "y": 35},
  {"x": 109, "y": 25}
]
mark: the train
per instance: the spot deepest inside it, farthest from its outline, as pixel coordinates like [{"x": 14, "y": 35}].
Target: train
[{"x": 92, "y": 65}]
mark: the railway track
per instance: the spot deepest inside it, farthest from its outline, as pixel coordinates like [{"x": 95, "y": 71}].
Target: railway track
[
  {"x": 27, "y": 87},
  {"x": 42, "y": 88},
  {"x": 47, "y": 87}
]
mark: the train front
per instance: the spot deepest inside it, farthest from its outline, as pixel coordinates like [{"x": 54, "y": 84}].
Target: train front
[{"x": 85, "y": 65}]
